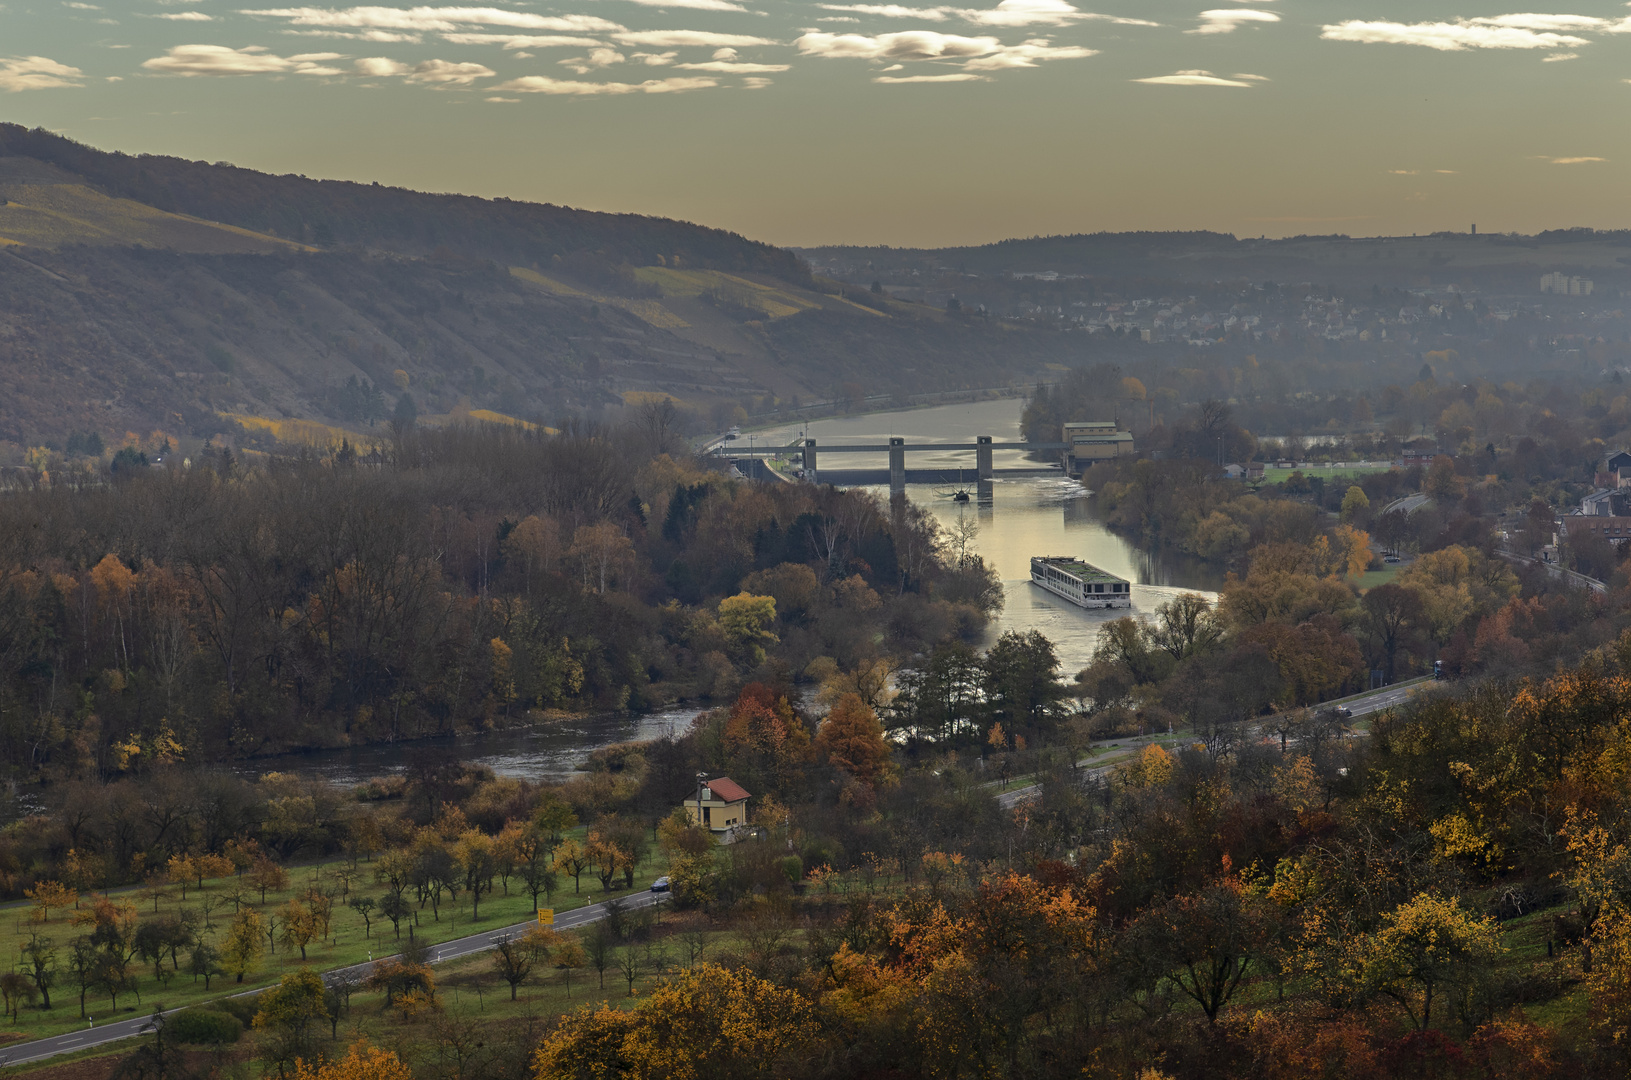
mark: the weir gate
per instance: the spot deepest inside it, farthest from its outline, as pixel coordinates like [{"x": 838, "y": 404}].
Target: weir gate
[{"x": 897, "y": 475}]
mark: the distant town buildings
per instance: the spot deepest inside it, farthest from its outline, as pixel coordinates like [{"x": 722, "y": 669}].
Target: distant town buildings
[{"x": 1561, "y": 284}]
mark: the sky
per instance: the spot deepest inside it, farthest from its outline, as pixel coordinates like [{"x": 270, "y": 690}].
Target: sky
[{"x": 901, "y": 124}]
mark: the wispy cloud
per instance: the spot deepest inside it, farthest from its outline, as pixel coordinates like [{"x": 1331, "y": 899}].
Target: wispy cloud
[
  {"x": 903, "y": 45},
  {"x": 542, "y": 84},
  {"x": 928, "y": 78},
  {"x": 524, "y": 41},
  {"x": 680, "y": 39},
  {"x": 1007, "y": 13},
  {"x": 1228, "y": 20},
  {"x": 37, "y": 73},
  {"x": 430, "y": 72},
  {"x": 1026, "y": 13},
  {"x": 1404, "y": 172},
  {"x": 694, "y": 5},
  {"x": 892, "y": 11},
  {"x": 1451, "y": 37},
  {"x": 735, "y": 67},
  {"x": 448, "y": 73},
  {"x": 1026, "y": 55},
  {"x": 1560, "y": 56},
  {"x": 1194, "y": 78},
  {"x": 184, "y": 16},
  {"x": 1574, "y": 160},
  {"x": 194, "y": 60},
  {"x": 434, "y": 19}
]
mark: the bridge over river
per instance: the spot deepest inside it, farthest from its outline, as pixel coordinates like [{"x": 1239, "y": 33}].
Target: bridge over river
[{"x": 897, "y": 475}]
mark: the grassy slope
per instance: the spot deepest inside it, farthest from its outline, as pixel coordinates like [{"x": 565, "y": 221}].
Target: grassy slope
[{"x": 348, "y": 946}]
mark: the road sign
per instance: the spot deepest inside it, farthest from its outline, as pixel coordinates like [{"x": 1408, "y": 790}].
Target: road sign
[{"x": 546, "y": 916}]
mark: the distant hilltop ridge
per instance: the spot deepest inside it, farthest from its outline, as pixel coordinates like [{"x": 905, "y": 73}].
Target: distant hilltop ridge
[
  {"x": 340, "y": 213},
  {"x": 1495, "y": 259}
]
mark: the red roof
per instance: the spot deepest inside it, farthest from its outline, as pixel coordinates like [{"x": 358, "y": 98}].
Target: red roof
[{"x": 728, "y": 790}]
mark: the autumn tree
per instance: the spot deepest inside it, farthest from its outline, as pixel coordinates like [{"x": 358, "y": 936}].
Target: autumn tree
[
  {"x": 361, "y": 1062},
  {"x": 50, "y": 894},
  {"x": 1426, "y": 948},
  {"x": 852, "y": 740},
  {"x": 572, "y": 859},
  {"x": 289, "y": 1015},
  {"x": 242, "y": 949}
]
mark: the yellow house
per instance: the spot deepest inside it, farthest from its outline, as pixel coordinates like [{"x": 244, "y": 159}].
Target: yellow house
[{"x": 719, "y": 805}]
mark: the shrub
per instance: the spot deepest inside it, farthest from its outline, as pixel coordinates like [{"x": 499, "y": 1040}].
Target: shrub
[{"x": 209, "y": 1026}]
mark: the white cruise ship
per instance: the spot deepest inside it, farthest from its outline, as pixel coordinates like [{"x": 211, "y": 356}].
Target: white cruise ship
[{"x": 1081, "y": 583}]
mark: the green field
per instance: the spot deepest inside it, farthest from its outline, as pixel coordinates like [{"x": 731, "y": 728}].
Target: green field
[
  {"x": 1272, "y": 475},
  {"x": 346, "y": 945}
]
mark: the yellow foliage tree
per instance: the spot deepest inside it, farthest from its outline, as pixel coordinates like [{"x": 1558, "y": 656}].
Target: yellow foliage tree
[{"x": 361, "y": 1062}]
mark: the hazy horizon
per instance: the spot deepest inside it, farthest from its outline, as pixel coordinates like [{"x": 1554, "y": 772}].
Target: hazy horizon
[{"x": 838, "y": 123}]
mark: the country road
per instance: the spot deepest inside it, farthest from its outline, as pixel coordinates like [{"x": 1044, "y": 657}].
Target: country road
[
  {"x": 40, "y": 1049},
  {"x": 1357, "y": 707}
]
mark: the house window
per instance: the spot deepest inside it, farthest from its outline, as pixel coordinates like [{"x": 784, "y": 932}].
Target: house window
[{"x": 707, "y": 815}]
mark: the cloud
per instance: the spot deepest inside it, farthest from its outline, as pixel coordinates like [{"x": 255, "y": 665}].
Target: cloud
[
  {"x": 1575, "y": 160},
  {"x": 904, "y": 45},
  {"x": 891, "y": 11},
  {"x": 1026, "y": 55},
  {"x": 1445, "y": 172},
  {"x": 1447, "y": 37},
  {"x": 447, "y": 73},
  {"x": 1193, "y": 78},
  {"x": 503, "y": 100},
  {"x": 928, "y": 78},
  {"x": 694, "y": 5},
  {"x": 542, "y": 84},
  {"x": 597, "y": 58},
  {"x": 433, "y": 19},
  {"x": 1251, "y": 78},
  {"x": 379, "y": 66},
  {"x": 730, "y": 67},
  {"x": 685, "y": 39},
  {"x": 82, "y": 7},
  {"x": 1007, "y": 13},
  {"x": 37, "y": 73},
  {"x": 1228, "y": 20},
  {"x": 432, "y": 72},
  {"x": 185, "y": 16},
  {"x": 380, "y": 36},
  {"x": 1560, "y": 56},
  {"x": 662, "y": 59},
  {"x": 523, "y": 41},
  {"x": 1403, "y": 172},
  {"x": 755, "y": 82},
  {"x": 192, "y": 60}
]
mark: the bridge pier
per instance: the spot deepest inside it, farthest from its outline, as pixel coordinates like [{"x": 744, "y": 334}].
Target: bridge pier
[
  {"x": 897, "y": 466},
  {"x": 810, "y": 460},
  {"x": 982, "y": 457}
]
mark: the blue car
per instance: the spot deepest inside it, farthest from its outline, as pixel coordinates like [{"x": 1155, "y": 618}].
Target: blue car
[{"x": 660, "y": 885}]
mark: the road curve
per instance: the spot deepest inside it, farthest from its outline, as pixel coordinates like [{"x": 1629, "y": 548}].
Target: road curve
[
  {"x": 40, "y": 1049},
  {"x": 1371, "y": 703}
]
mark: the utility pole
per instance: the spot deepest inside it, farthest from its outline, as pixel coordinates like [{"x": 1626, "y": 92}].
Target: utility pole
[{"x": 701, "y": 779}]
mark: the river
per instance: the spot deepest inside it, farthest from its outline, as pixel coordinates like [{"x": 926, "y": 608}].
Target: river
[{"x": 1045, "y": 516}]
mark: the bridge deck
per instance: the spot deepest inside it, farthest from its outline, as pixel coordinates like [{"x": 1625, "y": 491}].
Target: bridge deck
[{"x": 880, "y": 448}]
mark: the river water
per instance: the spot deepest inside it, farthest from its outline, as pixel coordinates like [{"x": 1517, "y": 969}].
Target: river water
[{"x": 1026, "y": 517}]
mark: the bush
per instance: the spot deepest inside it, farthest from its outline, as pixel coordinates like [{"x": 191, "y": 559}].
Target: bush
[
  {"x": 792, "y": 866},
  {"x": 209, "y": 1026},
  {"x": 242, "y": 1008}
]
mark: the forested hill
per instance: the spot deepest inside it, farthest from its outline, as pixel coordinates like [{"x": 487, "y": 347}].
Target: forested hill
[
  {"x": 179, "y": 300},
  {"x": 335, "y": 212}
]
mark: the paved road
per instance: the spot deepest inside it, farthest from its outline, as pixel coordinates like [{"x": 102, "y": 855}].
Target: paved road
[
  {"x": 1385, "y": 699},
  {"x": 1409, "y": 504},
  {"x": 40, "y": 1049},
  {"x": 1557, "y": 571}
]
